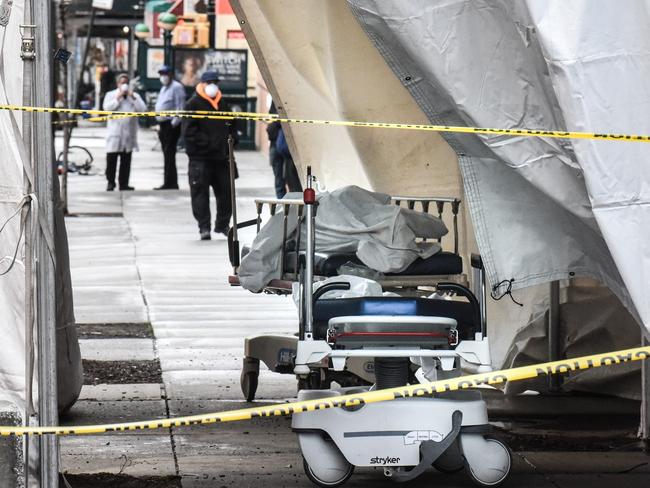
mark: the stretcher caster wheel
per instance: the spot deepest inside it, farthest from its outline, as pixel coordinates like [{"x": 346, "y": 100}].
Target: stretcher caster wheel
[
  {"x": 328, "y": 478},
  {"x": 451, "y": 461},
  {"x": 312, "y": 382},
  {"x": 491, "y": 466},
  {"x": 249, "y": 377}
]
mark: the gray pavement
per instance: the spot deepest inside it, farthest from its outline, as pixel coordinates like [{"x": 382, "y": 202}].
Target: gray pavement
[{"x": 136, "y": 259}]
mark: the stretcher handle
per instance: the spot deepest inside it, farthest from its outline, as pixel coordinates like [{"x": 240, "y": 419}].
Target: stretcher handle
[
  {"x": 338, "y": 285},
  {"x": 233, "y": 245},
  {"x": 467, "y": 293},
  {"x": 232, "y": 232}
]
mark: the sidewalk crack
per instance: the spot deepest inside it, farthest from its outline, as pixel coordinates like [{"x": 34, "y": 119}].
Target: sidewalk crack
[
  {"x": 148, "y": 313},
  {"x": 547, "y": 477}
]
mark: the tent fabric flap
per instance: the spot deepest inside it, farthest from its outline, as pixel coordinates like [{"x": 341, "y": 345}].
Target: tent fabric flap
[{"x": 543, "y": 209}]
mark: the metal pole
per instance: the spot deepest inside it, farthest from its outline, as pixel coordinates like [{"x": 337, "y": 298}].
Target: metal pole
[
  {"x": 644, "y": 427},
  {"x": 27, "y": 122},
  {"x": 479, "y": 289},
  {"x": 233, "y": 203},
  {"x": 554, "y": 342},
  {"x": 131, "y": 47},
  {"x": 167, "y": 39},
  {"x": 44, "y": 179},
  {"x": 84, "y": 60},
  {"x": 67, "y": 130},
  {"x": 309, "y": 256}
]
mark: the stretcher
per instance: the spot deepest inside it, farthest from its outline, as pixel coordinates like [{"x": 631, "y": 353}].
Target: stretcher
[
  {"x": 376, "y": 342},
  {"x": 279, "y": 351}
]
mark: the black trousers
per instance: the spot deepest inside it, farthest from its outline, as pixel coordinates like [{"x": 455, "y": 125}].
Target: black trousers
[
  {"x": 291, "y": 175},
  {"x": 168, "y": 135},
  {"x": 277, "y": 163},
  {"x": 203, "y": 175},
  {"x": 125, "y": 168}
]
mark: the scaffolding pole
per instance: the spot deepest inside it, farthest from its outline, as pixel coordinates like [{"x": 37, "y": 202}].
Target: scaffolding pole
[
  {"x": 27, "y": 122},
  {"x": 44, "y": 174}
]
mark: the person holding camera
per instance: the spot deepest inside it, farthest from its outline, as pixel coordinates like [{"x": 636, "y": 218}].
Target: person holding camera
[{"x": 122, "y": 132}]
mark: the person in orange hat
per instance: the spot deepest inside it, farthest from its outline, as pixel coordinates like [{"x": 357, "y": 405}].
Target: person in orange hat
[{"x": 206, "y": 144}]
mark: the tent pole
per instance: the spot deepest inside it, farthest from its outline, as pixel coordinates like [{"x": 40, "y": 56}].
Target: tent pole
[
  {"x": 27, "y": 122},
  {"x": 553, "y": 333},
  {"x": 644, "y": 427},
  {"x": 44, "y": 179}
]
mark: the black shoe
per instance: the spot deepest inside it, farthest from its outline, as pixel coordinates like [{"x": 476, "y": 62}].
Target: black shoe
[
  {"x": 110, "y": 187},
  {"x": 163, "y": 187},
  {"x": 205, "y": 235},
  {"x": 126, "y": 188},
  {"x": 223, "y": 230}
]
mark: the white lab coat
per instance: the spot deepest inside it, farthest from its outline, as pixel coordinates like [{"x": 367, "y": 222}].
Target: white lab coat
[{"x": 122, "y": 134}]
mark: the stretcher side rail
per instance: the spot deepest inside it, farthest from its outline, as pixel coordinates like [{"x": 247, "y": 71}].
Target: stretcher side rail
[
  {"x": 284, "y": 286},
  {"x": 425, "y": 203}
]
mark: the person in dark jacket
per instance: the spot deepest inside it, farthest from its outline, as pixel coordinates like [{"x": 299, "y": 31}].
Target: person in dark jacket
[
  {"x": 275, "y": 158},
  {"x": 284, "y": 169},
  {"x": 206, "y": 144},
  {"x": 290, "y": 173}
]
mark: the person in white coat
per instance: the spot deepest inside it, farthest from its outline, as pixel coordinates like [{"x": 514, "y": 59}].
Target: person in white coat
[{"x": 122, "y": 133}]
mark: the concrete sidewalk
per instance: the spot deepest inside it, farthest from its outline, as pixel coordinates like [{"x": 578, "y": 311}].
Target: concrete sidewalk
[{"x": 136, "y": 260}]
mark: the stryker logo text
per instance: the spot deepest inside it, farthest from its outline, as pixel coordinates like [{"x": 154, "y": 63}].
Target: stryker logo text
[{"x": 384, "y": 460}]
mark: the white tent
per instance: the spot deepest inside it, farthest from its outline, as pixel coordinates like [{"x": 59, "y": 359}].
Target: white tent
[
  {"x": 539, "y": 210},
  {"x": 12, "y": 293},
  {"x": 20, "y": 274},
  {"x": 543, "y": 209}
]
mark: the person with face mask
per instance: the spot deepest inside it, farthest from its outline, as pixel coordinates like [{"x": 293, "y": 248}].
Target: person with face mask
[
  {"x": 122, "y": 133},
  {"x": 206, "y": 143},
  {"x": 170, "y": 98}
]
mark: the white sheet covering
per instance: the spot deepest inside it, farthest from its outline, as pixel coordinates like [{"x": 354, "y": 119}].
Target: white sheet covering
[{"x": 348, "y": 220}]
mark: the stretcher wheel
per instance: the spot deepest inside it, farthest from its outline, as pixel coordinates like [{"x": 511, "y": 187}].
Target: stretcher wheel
[
  {"x": 451, "y": 461},
  {"x": 327, "y": 483},
  {"x": 495, "y": 467},
  {"x": 249, "y": 377},
  {"x": 313, "y": 382}
]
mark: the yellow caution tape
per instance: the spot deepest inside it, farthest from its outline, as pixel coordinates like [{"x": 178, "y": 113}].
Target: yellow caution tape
[
  {"x": 356, "y": 399},
  {"x": 219, "y": 115},
  {"x": 92, "y": 119},
  {"x": 106, "y": 115}
]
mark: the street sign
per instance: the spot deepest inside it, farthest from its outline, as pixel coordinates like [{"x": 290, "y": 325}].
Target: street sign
[
  {"x": 103, "y": 4},
  {"x": 236, "y": 35},
  {"x": 155, "y": 59}
]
